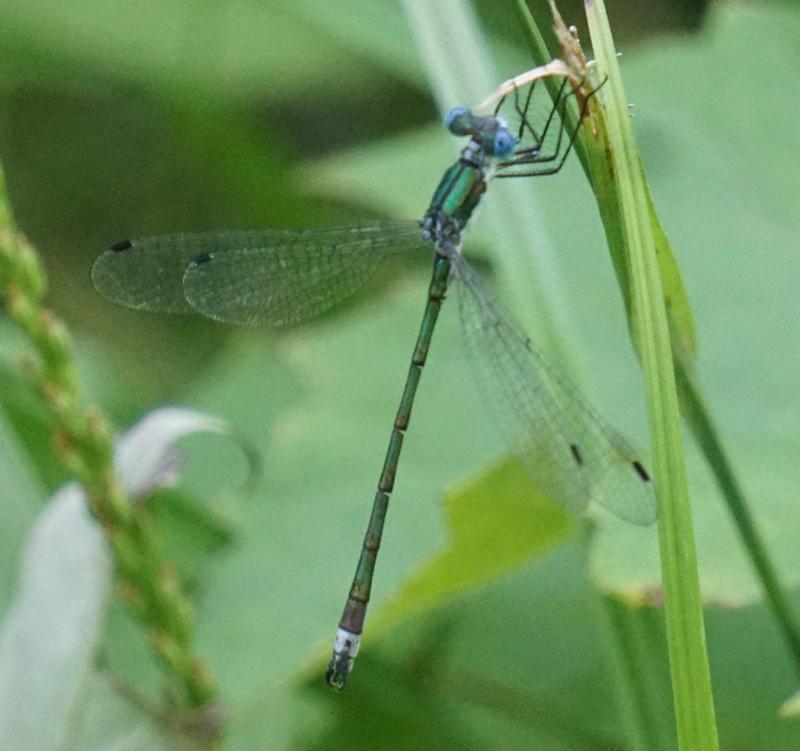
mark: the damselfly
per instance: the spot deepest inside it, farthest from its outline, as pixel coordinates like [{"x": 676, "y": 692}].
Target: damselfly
[{"x": 279, "y": 277}]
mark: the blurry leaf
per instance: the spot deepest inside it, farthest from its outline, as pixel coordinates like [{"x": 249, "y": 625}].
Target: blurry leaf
[
  {"x": 192, "y": 532},
  {"x": 375, "y": 712},
  {"x": 109, "y": 720},
  {"x": 232, "y": 50},
  {"x": 51, "y": 630},
  {"x": 20, "y": 494},
  {"x": 377, "y": 29},
  {"x": 143, "y": 455},
  {"x": 498, "y": 522},
  {"x": 752, "y": 677},
  {"x": 790, "y": 709},
  {"x": 639, "y": 641},
  {"x": 414, "y": 161}
]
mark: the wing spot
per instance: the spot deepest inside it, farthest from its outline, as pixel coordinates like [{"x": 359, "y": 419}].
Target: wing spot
[
  {"x": 641, "y": 471},
  {"x": 122, "y": 245},
  {"x": 576, "y": 454}
]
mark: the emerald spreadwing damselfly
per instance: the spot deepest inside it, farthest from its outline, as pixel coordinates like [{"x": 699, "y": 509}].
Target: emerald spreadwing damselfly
[{"x": 278, "y": 277}]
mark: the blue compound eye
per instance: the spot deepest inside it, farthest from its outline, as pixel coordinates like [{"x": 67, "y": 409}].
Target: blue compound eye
[
  {"x": 504, "y": 143},
  {"x": 459, "y": 121}
]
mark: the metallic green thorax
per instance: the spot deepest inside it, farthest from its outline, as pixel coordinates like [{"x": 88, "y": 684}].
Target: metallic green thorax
[
  {"x": 459, "y": 193},
  {"x": 455, "y": 199}
]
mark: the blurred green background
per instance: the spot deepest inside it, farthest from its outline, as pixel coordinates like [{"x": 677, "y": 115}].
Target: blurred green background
[{"x": 119, "y": 120}]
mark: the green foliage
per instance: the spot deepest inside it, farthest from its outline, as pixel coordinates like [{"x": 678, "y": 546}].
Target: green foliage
[
  {"x": 497, "y": 523},
  {"x": 114, "y": 125},
  {"x": 82, "y": 443},
  {"x": 683, "y": 608}
]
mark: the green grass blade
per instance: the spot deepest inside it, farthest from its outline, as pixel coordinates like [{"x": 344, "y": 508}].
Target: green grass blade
[
  {"x": 691, "y": 679},
  {"x": 591, "y": 149},
  {"x": 693, "y": 406}
]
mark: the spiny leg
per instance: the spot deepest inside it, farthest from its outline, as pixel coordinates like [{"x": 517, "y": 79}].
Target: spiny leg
[
  {"x": 535, "y": 155},
  {"x": 561, "y": 158},
  {"x": 540, "y": 139},
  {"x": 522, "y": 113}
]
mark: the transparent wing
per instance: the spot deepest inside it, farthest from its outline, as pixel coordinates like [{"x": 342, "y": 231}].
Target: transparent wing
[
  {"x": 250, "y": 276},
  {"x": 295, "y": 277},
  {"x": 571, "y": 453}
]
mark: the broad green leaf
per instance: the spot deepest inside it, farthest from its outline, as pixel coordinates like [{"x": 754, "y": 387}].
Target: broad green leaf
[
  {"x": 235, "y": 50},
  {"x": 378, "y": 30},
  {"x": 497, "y": 522}
]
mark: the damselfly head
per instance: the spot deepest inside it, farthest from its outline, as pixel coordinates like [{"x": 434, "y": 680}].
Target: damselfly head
[
  {"x": 491, "y": 133},
  {"x": 493, "y": 136},
  {"x": 459, "y": 121}
]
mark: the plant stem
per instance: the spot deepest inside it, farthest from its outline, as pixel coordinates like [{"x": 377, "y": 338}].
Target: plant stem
[
  {"x": 84, "y": 445},
  {"x": 693, "y": 407},
  {"x": 691, "y": 679}
]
